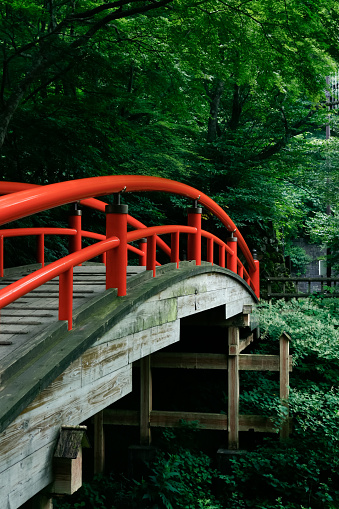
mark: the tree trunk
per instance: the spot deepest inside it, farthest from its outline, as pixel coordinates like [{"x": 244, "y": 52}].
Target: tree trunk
[{"x": 215, "y": 97}]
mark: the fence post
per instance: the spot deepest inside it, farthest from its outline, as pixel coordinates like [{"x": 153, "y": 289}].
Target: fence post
[
  {"x": 116, "y": 258},
  {"x": 284, "y": 380},
  {"x": 255, "y": 274},
  {"x": 232, "y": 259},
  {"x": 143, "y": 247},
  {"x": 194, "y": 239},
  {"x": 74, "y": 222},
  {"x": 233, "y": 388}
]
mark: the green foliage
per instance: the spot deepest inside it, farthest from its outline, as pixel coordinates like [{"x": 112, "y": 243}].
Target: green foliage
[{"x": 298, "y": 257}]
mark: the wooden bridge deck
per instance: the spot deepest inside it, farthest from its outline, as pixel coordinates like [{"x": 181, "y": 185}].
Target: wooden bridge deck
[{"x": 29, "y": 315}]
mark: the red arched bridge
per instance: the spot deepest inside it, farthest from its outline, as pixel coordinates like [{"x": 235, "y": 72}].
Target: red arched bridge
[{"x": 71, "y": 330}]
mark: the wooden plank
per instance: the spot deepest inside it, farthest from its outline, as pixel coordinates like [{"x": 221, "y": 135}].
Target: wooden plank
[
  {"x": 68, "y": 403},
  {"x": 256, "y": 362},
  {"x": 146, "y": 342},
  {"x": 212, "y": 421},
  {"x": 190, "y": 360},
  {"x": 16, "y": 486}
]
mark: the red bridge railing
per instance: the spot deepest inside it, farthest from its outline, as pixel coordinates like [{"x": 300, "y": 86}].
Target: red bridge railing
[{"x": 22, "y": 200}]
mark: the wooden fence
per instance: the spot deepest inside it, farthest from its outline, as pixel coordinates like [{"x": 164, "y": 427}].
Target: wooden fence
[{"x": 298, "y": 287}]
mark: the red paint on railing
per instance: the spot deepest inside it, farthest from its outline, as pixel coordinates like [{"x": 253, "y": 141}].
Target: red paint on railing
[{"x": 28, "y": 199}]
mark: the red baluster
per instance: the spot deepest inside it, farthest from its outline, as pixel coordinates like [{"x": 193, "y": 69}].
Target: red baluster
[
  {"x": 241, "y": 271},
  {"x": 255, "y": 274},
  {"x": 151, "y": 253},
  {"x": 175, "y": 248},
  {"x": 1, "y": 256},
  {"x": 210, "y": 247},
  {"x": 116, "y": 259},
  {"x": 232, "y": 261},
  {"x": 194, "y": 239},
  {"x": 66, "y": 296},
  {"x": 41, "y": 249},
  {"x": 222, "y": 256},
  {"x": 143, "y": 248}
]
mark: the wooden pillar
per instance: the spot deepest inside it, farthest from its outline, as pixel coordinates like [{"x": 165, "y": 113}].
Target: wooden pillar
[
  {"x": 284, "y": 380},
  {"x": 145, "y": 400},
  {"x": 233, "y": 388},
  {"x": 99, "y": 443}
]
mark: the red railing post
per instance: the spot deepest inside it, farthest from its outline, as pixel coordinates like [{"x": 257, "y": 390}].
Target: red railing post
[
  {"x": 194, "y": 239},
  {"x": 116, "y": 259},
  {"x": 241, "y": 271},
  {"x": 151, "y": 253},
  {"x": 175, "y": 248},
  {"x": 255, "y": 274},
  {"x": 66, "y": 296},
  {"x": 1, "y": 256},
  {"x": 210, "y": 249},
  {"x": 143, "y": 247},
  {"x": 74, "y": 221},
  {"x": 222, "y": 256},
  {"x": 40, "y": 255},
  {"x": 232, "y": 259}
]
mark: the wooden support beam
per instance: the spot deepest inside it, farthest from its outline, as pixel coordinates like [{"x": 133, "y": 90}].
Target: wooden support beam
[
  {"x": 233, "y": 388},
  {"x": 284, "y": 380},
  {"x": 184, "y": 360},
  {"x": 145, "y": 400},
  {"x": 211, "y": 421},
  {"x": 245, "y": 342},
  {"x": 99, "y": 443}
]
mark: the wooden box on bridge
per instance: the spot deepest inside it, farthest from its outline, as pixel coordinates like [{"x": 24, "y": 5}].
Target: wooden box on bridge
[{"x": 67, "y": 462}]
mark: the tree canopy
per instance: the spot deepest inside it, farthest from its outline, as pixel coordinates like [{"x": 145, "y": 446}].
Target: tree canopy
[{"x": 230, "y": 94}]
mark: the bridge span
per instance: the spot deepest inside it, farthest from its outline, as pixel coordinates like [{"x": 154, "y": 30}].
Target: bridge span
[{"x": 71, "y": 330}]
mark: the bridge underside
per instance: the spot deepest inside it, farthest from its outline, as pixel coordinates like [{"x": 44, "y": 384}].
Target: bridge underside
[{"x": 61, "y": 378}]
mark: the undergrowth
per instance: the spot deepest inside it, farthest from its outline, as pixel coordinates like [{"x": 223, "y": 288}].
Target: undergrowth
[{"x": 299, "y": 473}]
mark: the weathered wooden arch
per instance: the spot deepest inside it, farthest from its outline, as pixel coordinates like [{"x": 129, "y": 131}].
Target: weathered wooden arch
[{"x": 73, "y": 375}]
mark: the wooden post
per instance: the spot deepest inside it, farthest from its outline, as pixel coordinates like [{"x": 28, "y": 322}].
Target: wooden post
[
  {"x": 284, "y": 380},
  {"x": 99, "y": 443},
  {"x": 233, "y": 388},
  {"x": 145, "y": 400}
]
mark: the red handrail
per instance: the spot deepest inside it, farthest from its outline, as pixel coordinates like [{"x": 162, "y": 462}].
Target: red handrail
[
  {"x": 24, "y": 203},
  {"x": 25, "y": 199}
]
